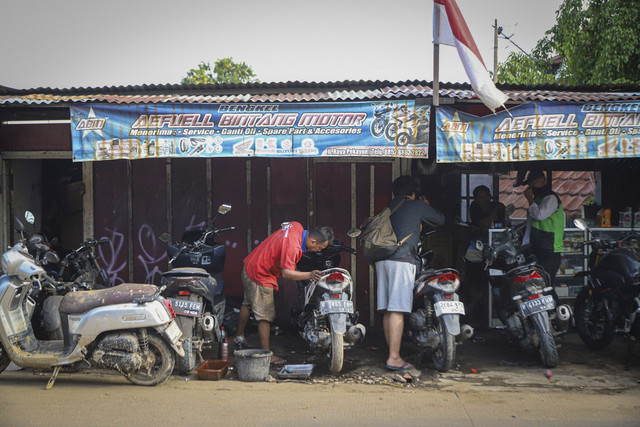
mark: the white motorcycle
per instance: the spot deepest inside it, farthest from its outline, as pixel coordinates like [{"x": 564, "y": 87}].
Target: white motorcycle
[{"x": 129, "y": 328}]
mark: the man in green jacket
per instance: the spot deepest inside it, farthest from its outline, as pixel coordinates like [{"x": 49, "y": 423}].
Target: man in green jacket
[{"x": 545, "y": 224}]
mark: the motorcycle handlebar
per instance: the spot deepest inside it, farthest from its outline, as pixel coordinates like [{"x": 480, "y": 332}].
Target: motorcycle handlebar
[{"x": 222, "y": 230}]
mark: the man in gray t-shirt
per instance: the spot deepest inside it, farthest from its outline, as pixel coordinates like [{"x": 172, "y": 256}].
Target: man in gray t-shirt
[{"x": 396, "y": 274}]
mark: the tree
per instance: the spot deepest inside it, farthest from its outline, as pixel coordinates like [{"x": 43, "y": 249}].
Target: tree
[
  {"x": 225, "y": 70},
  {"x": 598, "y": 42}
]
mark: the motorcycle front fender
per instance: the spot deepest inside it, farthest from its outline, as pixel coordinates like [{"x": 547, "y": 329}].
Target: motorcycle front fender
[
  {"x": 542, "y": 320},
  {"x": 452, "y": 323},
  {"x": 338, "y": 322}
]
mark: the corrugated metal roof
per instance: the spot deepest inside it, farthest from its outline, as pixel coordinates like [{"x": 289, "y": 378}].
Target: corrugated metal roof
[{"x": 304, "y": 92}]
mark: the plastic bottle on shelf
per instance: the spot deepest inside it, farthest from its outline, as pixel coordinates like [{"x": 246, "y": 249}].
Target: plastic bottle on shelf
[
  {"x": 224, "y": 349},
  {"x": 636, "y": 219},
  {"x": 625, "y": 217}
]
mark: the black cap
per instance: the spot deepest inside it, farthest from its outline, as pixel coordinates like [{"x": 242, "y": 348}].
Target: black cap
[{"x": 532, "y": 176}]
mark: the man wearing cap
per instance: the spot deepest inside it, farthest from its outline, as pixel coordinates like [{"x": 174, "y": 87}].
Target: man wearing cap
[{"x": 545, "y": 224}]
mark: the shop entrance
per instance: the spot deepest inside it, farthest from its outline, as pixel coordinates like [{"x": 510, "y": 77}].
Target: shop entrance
[{"x": 52, "y": 190}]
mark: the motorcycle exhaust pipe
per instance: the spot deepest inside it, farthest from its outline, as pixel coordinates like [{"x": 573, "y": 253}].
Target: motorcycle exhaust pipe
[
  {"x": 466, "y": 332},
  {"x": 563, "y": 317},
  {"x": 355, "y": 333},
  {"x": 208, "y": 322}
]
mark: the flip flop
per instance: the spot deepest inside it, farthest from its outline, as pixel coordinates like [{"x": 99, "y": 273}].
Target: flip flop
[
  {"x": 278, "y": 361},
  {"x": 406, "y": 366}
]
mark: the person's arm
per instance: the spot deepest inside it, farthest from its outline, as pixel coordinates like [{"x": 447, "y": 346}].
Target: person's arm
[
  {"x": 430, "y": 215},
  {"x": 301, "y": 275},
  {"x": 547, "y": 207}
]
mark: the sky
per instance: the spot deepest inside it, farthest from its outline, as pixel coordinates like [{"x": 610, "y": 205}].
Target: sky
[{"x": 89, "y": 43}]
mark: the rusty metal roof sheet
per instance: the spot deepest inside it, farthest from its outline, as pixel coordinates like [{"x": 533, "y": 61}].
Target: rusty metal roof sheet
[{"x": 304, "y": 92}]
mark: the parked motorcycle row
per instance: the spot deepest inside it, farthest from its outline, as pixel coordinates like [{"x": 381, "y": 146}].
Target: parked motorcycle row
[{"x": 144, "y": 332}]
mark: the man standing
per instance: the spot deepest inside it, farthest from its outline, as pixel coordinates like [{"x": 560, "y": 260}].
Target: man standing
[
  {"x": 545, "y": 224},
  {"x": 276, "y": 256},
  {"x": 396, "y": 275}
]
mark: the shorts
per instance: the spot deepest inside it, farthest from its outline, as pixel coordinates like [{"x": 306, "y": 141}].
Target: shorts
[
  {"x": 395, "y": 282},
  {"x": 260, "y": 299}
]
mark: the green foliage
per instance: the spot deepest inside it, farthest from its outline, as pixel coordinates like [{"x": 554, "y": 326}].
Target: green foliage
[
  {"x": 225, "y": 70},
  {"x": 597, "y": 40}
]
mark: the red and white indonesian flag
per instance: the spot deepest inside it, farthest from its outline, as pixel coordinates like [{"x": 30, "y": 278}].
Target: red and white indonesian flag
[{"x": 453, "y": 31}]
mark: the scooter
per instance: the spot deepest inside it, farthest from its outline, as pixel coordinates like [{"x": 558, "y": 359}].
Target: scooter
[
  {"x": 522, "y": 289},
  {"x": 434, "y": 323},
  {"x": 194, "y": 286},
  {"x": 328, "y": 322},
  {"x": 610, "y": 301},
  {"x": 415, "y": 128},
  {"x": 128, "y": 328}
]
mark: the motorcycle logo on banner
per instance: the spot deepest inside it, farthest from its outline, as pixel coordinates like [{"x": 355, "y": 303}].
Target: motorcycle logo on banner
[
  {"x": 540, "y": 131},
  {"x": 358, "y": 129}
]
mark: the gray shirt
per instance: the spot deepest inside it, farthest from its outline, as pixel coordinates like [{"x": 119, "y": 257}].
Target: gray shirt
[{"x": 406, "y": 221}]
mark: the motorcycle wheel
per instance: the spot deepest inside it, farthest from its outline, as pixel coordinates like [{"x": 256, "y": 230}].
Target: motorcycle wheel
[
  {"x": 377, "y": 127},
  {"x": 595, "y": 324},
  {"x": 403, "y": 139},
  {"x": 4, "y": 358},
  {"x": 336, "y": 357},
  {"x": 445, "y": 354},
  {"x": 390, "y": 131},
  {"x": 548, "y": 349},
  {"x": 187, "y": 363},
  {"x": 157, "y": 366}
]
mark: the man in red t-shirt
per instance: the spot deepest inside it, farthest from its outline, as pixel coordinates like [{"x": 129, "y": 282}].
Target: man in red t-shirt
[{"x": 276, "y": 256}]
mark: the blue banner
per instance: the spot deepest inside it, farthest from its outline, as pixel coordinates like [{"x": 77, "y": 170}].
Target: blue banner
[
  {"x": 358, "y": 129},
  {"x": 540, "y": 131}
]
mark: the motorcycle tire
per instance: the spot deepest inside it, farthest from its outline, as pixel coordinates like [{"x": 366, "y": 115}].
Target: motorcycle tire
[
  {"x": 4, "y": 358},
  {"x": 161, "y": 363},
  {"x": 187, "y": 363},
  {"x": 595, "y": 324},
  {"x": 548, "y": 349},
  {"x": 444, "y": 355},
  {"x": 336, "y": 356},
  {"x": 390, "y": 132},
  {"x": 403, "y": 139},
  {"x": 377, "y": 127}
]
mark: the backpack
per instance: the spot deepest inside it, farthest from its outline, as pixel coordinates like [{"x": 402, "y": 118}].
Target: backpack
[{"x": 378, "y": 239}]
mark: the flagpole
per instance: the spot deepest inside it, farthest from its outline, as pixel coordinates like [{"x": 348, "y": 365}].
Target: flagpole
[{"x": 436, "y": 63}]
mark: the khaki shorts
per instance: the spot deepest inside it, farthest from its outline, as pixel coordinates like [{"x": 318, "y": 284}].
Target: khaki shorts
[{"x": 259, "y": 299}]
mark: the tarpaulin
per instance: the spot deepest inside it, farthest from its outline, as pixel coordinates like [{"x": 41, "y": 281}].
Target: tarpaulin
[
  {"x": 540, "y": 131},
  {"x": 359, "y": 129}
]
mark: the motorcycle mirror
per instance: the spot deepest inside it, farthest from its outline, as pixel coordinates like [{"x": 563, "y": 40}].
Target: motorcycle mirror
[
  {"x": 354, "y": 232},
  {"x": 224, "y": 208},
  {"x": 51, "y": 258},
  {"x": 29, "y": 217},
  {"x": 53, "y": 241},
  {"x": 165, "y": 237},
  {"x": 19, "y": 225},
  {"x": 580, "y": 223}
]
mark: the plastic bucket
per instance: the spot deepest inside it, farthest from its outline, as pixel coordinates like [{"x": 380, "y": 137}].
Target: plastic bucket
[{"x": 252, "y": 365}]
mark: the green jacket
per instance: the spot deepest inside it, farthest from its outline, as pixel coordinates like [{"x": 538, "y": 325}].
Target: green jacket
[{"x": 548, "y": 234}]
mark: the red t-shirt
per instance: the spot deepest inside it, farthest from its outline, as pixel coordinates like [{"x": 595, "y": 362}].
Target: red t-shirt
[{"x": 282, "y": 250}]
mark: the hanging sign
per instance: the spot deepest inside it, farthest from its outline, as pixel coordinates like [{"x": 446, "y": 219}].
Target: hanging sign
[
  {"x": 540, "y": 131},
  {"x": 353, "y": 129}
]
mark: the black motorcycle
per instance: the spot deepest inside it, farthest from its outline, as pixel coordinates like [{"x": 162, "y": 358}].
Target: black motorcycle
[
  {"x": 523, "y": 292},
  {"x": 610, "y": 301},
  {"x": 81, "y": 268},
  {"x": 194, "y": 286},
  {"x": 327, "y": 321}
]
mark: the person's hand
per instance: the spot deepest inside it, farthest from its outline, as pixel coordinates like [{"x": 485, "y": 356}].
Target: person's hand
[
  {"x": 315, "y": 275},
  {"x": 424, "y": 199},
  {"x": 528, "y": 193}
]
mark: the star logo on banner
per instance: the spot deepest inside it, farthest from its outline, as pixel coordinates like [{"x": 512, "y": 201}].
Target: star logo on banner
[{"x": 91, "y": 124}]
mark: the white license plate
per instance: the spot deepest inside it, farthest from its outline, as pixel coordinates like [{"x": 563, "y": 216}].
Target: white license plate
[
  {"x": 173, "y": 332},
  {"x": 495, "y": 272},
  {"x": 544, "y": 303},
  {"x": 449, "y": 307},
  {"x": 336, "y": 306}
]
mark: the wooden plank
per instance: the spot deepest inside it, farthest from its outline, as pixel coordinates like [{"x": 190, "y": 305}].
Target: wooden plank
[
  {"x": 149, "y": 207},
  {"x": 111, "y": 218}
]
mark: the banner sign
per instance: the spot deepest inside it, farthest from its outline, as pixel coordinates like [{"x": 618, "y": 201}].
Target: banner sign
[
  {"x": 358, "y": 129},
  {"x": 540, "y": 131}
]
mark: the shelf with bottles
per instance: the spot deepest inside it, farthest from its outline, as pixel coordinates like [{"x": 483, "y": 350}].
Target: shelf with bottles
[{"x": 573, "y": 254}]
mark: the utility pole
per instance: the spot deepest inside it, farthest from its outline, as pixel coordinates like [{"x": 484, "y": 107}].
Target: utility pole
[{"x": 495, "y": 51}]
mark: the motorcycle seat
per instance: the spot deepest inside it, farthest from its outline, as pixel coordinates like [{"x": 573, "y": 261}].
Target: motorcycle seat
[
  {"x": 186, "y": 271},
  {"x": 83, "y": 301}
]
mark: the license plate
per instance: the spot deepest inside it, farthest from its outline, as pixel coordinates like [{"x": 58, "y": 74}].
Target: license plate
[
  {"x": 449, "y": 307},
  {"x": 495, "y": 272},
  {"x": 173, "y": 332},
  {"x": 537, "y": 305},
  {"x": 336, "y": 306},
  {"x": 184, "y": 307}
]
